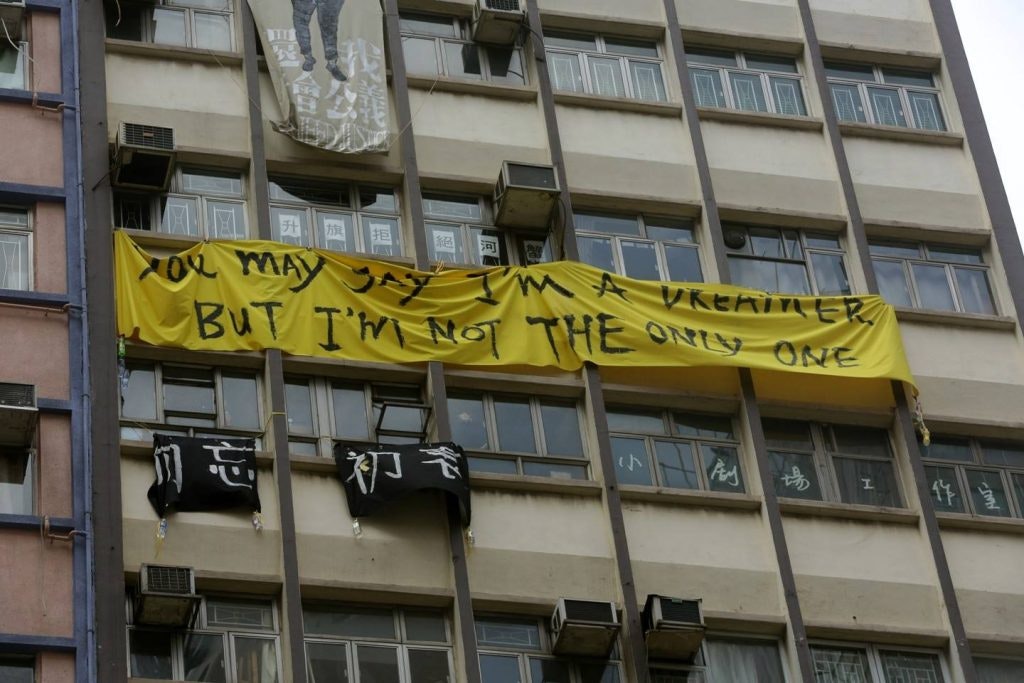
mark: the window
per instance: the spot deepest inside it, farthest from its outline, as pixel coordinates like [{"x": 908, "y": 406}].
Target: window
[
  {"x": 975, "y": 476},
  {"x": 993, "y": 670},
  {"x": 515, "y": 650},
  {"x": 17, "y": 469},
  {"x": 785, "y": 260},
  {"x": 727, "y": 658},
  {"x": 235, "y": 641},
  {"x": 376, "y": 645},
  {"x": 675, "y": 449},
  {"x": 934, "y": 277},
  {"x": 201, "y": 204},
  {"x": 461, "y": 230},
  {"x": 166, "y": 398},
  {"x": 641, "y": 247},
  {"x": 12, "y": 64},
  {"x": 205, "y": 24},
  {"x": 338, "y": 217},
  {"x": 515, "y": 434},
  {"x": 15, "y": 250},
  {"x": 885, "y": 97},
  {"x": 747, "y": 82},
  {"x": 873, "y": 664},
  {"x": 845, "y": 463},
  {"x": 611, "y": 67},
  {"x": 17, "y": 669},
  {"x": 440, "y": 45},
  {"x": 322, "y": 411}
]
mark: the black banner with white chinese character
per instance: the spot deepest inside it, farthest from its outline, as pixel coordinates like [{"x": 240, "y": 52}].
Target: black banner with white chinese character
[
  {"x": 376, "y": 476},
  {"x": 203, "y": 474}
]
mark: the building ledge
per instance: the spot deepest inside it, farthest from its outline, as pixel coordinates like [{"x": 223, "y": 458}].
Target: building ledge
[
  {"x": 898, "y": 635},
  {"x": 869, "y": 513},
  {"x": 757, "y": 118},
  {"x": 867, "y": 130},
  {"x": 506, "y": 91},
  {"x": 570, "y": 487},
  {"x": 188, "y": 54},
  {"x": 669, "y": 109},
  {"x": 950, "y": 520},
  {"x": 976, "y": 320},
  {"x": 706, "y": 499}
]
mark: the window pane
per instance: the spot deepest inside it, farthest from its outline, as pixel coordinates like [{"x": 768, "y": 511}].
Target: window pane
[
  {"x": 667, "y": 230},
  {"x": 569, "y": 40},
  {"x": 794, "y": 475},
  {"x": 12, "y": 69},
  {"x": 861, "y": 441},
  {"x": 632, "y": 464},
  {"x": 168, "y": 26},
  {"x": 225, "y": 220},
  {"x": 770, "y": 276},
  {"x": 326, "y": 662},
  {"x": 204, "y": 658},
  {"x": 949, "y": 448},
  {"x": 255, "y": 660},
  {"x": 521, "y": 634},
  {"x": 820, "y": 241},
  {"x": 138, "y": 399},
  {"x": 866, "y": 482},
  {"x": 907, "y": 77},
  {"x": 463, "y": 60},
  {"x": 606, "y": 77},
  {"x": 945, "y": 488},
  {"x": 427, "y": 627},
  {"x": 349, "y": 622},
  {"x": 213, "y": 31},
  {"x": 304, "y": 192},
  {"x": 840, "y": 665},
  {"x": 683, "y": 264},
  {"x": 892, "y": 282},
  {"x": 746, "y": 660},
  {"x": 847, "y": 102},
  {"x": 918, "y": 667},
  {"x": 907, "y": 250},
  {"x": 429, "y": 666},
  {"x": 444, "y": 243},
  {"x": 499, "y": 669},
  {"x": 420, "y": 55},
  {"x": 545, "y": 469},
  {"x": 640, "y": 260},
  {"x": 16, "y": 484},
  {"x": 722, "y": 465},
  {"x": 932, "y": 287},
  {"x": 886, "y": 105},
  {"x": 788, "y": 434},
  {"x": 705, "y": 426},
  {"x": 747, "y": 92},
  {"x": 381, "y": 236},
  {"x": 334, "y": 231},
  {"x": 707, "y": 88},
  {"x": 853, "y": 72},
  {"x": 349, "y": 412},
  {"x": 641, "y": 422},
  {"x": 596, "y": 251},
  {"x": 771, "y": 63},
  {"x": 647, "y": 81},
  {"x": 290, "y": 226},
  {"x": 999, "y": 670},
  {"x": 180, "y": 216},
  {"x": 241, "y": 402},
  {"x": 132, "y": 212},
  {"x": 150, "y": 654},
  {"x": 188, "y": 390},
  {"x": 377, "y": 200},
  {"x": 1007, "y": 454},
  {"x": 488, "y": 247},
  {"x": 789, "y": 98},
  {"x": 549, "y": 671},
  {"x": 532, "y": 252},
  {"x": 715, "y": 57},
  {"x": 514, "y": 423},
  {"x": 676, "y": 466},
  {"x": 619, "y": 225},
  {"x": 627, "y": 46},
  {"x": 988, "y": 493},
  {"x": 561, "y": 429},
  {"x": 926, "y": 111},
  {"x": 130, "y": 27},
  {"x": 766, "y": 243},
  {"x": 299, "y": 407},
  {"x": 427, "y": 25},
  {"x": 493, "y": 465},
  {"x": 598, "y": 673},
  {"x": 830, "y": 274},
  {"x": 307, "y": 448},
  {"x": 565, "y": 71},
  {"x": 506, "y": 64},
  {"x": 467, "y": 422},
  {"x": 975, "y": 295},
  {"x": 397, "y": 416}
]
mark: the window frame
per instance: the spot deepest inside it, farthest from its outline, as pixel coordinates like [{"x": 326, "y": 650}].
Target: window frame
[
  {"x": 903, "y": 91},
  {"x": 600, "y": 51},
  {"x": 359, "y": 216},
  {"x": 644, "y": 221},
  {"x": 976, "y": 446},
  {"x": 701, "y": 664},
  {"x": 873, "y": 653},
  {"x": 23, "y": 65},
  {"x": 26, "y": 231},
  {"x": 949, "y": 267},
  {"x": 462, "y": 36},
  {"x": 803, "y": 234},
  {"x": 741, "y": 67},
  {"x": 146, "y": 28}
]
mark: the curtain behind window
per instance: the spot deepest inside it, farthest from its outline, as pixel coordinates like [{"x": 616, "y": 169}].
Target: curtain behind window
[{"x": 751, "y": 661}]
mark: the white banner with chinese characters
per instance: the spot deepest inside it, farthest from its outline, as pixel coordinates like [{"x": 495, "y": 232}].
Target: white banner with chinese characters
[{"x": 326, "y": 60}]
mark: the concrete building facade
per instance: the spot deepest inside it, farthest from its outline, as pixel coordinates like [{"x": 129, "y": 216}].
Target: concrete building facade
[{"x": 806, "y": 146}]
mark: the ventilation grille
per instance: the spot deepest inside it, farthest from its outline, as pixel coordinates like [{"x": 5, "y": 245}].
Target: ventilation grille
[
  {"x": 169, "y": 580},
  {"x": 503, "y": 5},
  {"x": 684, "y": 611},
  {"x": 586, "y": 610},
  {"x": 150, "y": 137},
  {"x": 17, "y": 395}
]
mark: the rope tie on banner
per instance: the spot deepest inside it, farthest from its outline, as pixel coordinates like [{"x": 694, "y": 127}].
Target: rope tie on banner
[
  {"x": 161, "y": 535},
  {"x": 257, "y": 521},
  {"x": 357, "y": 528},
  {"x": 922, "y": 428},
  {"x": 470, "y": 538}
]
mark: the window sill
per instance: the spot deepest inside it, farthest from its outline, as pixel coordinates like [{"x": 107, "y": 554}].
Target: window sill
[
  {"x": 26, "y": 96},
  {"x": 686, "y": 497},
  {"x": 571, "y": 487},
  {"x": 60, "y": 525},
  {"x": 951, "y": 520},
  {"x": 670, "y": 109},
  {"x": 312, "y": 463},
  {"x": 189, "y": 54},
  {"x": 459, "y": 85},
  {"x": 866, "y": 130},
  {"x": 976, "y": 320},
  {"x": 816, "y": 508},
  {"x": 143, "y": 450},
  {"x": 756, "y": 118}
]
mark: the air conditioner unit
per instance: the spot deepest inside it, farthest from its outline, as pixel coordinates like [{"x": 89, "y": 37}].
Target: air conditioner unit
[
  {"x": 525, "y": 195},
  {"x": 497, "y": 21},
  {"x": 673, "y": 628},
  {"x": 11, "y": 13},
  {"x": 144, "y": 156},
  {"x": 166, "y": 597},
  {"x": 584, "y": 628},
  {"x": 18, "y": 413}
]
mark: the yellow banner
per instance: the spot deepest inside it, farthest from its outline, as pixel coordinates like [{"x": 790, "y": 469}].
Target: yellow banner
[{"x": 236, "y": 296}]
